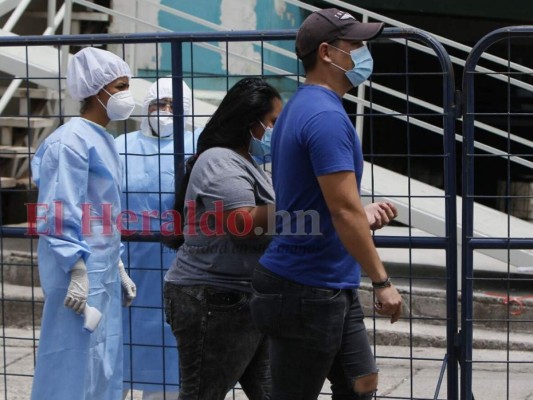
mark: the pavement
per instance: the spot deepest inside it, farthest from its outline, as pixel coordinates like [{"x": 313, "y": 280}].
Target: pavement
[{"x": 406, "y": 372}]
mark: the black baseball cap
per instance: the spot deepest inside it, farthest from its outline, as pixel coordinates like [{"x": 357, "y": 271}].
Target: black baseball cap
[{"x": 331, "y": 24}]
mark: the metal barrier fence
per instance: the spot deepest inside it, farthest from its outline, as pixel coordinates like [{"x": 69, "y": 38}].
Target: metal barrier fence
[
  {"x": 420, "y": 250},
  {"x": 503, "y": 299}
]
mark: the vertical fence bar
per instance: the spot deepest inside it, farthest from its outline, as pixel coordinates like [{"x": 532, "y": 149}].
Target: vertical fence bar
[
  {"x": 179, "y": 118},
  {"x": 467, "y": 289}
]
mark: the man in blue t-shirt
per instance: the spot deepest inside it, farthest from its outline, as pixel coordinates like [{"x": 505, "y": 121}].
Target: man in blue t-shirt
[{"x": 305, "y": 293}]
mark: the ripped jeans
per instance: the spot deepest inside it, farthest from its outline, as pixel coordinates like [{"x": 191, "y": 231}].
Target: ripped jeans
[
  {"x": 218, "y": 343},
  {"x": 314, "y": 334}
]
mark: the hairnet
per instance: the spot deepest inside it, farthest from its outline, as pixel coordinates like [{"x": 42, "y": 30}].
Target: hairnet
[
  {"x": 90, "y": 69},
  {"x": 160, "y": 89}
]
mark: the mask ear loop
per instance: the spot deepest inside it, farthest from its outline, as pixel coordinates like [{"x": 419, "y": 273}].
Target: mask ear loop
[
  {"x": 339, "y": 67},
  {"x": 155, "y": 130},
  {"x": 342, "y": 51},
  {"x": 251, "y": 133},
  {"x": 100, "y": 101}
]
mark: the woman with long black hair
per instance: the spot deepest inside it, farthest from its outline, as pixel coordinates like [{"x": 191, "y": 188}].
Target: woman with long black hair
[{"x": 224, "y": 205}]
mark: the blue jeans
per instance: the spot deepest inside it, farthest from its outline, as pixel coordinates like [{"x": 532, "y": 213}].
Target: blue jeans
[
  {"x": 218, "y": 343},
  {"x": 314, "y": 334}
]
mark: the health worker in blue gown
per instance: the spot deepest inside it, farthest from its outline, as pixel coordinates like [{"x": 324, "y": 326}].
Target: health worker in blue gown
[
  {"x": 78, "y": 172},
  {"x": 150, "y": 362}
]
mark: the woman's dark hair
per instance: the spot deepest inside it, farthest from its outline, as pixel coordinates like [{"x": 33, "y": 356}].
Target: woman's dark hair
[
  {"x": 246, "y": 103},
  {"x": 84, "y": 105}
]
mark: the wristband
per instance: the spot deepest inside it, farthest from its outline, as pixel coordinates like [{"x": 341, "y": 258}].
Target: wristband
[{"x": 382, "y": 285}]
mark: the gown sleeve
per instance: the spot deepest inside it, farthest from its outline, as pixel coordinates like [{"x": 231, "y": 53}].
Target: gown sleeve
[{"x": 63, "y": 180}]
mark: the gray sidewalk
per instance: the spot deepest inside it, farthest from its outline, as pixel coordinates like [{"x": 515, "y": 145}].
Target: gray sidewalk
[{"x": 405, "y": 372}]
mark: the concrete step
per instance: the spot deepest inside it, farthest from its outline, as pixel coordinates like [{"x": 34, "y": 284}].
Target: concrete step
[
  {"x": 7, "y": 182},
  {"x": 22, "y": 297},
  {"x": 423, "y": 322},
  {"x": 416, "y": 333},
  {"x": 493, "y": 309},
  {"x": 20, "y": 268},
  {"x": 30, "y": 122},
  {"x": 33, "y": 93},
  {"x": 500, "y": 321},
  {"x": 21, "y": 306}
]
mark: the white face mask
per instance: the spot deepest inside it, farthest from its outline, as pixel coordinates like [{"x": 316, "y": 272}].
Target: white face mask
[
  {"x": 162, "y": 123},
  {"x": 119, "y": 106}
]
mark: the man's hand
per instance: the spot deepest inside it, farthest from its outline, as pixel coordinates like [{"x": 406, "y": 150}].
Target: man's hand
[
  {"x": 380, "y": 214},
  {"x": 389, "y": 302},
  {"x": 129, "y": 290},
  {"x": 78, "y": 289}
]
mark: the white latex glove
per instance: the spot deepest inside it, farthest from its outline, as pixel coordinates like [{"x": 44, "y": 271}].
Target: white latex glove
[
  {"x": 78, "y": 289},
  {"x": 129, "y": 290}
]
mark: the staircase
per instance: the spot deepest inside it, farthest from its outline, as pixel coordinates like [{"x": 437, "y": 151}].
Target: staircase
[{"x": 28, "y": 106}]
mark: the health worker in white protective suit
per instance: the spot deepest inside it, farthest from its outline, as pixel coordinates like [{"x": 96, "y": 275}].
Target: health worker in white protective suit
[
  {"x": 78, "y": 172},
  {"x": 150, "y": 362}
]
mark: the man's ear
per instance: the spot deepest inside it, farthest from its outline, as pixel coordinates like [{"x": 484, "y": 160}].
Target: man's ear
[{"x": 323, "y": 52}]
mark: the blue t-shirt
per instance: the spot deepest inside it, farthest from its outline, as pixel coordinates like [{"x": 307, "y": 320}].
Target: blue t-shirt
[{"x": 313, "y": 136}]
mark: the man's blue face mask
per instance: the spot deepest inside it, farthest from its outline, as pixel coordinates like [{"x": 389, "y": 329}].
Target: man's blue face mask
[
  {"x": 261, "y": 148},
  {"x": 363, "y": 65}
]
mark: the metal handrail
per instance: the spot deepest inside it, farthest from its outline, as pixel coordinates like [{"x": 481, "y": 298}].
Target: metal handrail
[
  {"x": 360, "y": 98},
  {"x": 53, "y": 23},
  {"x": 59, "y": 17},
  {"x": 442, "y": 39},
  {"x": 456, "y": 60}
]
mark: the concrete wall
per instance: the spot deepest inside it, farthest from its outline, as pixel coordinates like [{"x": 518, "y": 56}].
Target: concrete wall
[{"x": 229, "y": 14}]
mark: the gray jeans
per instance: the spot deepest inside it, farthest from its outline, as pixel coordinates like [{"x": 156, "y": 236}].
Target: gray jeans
[{"x": 218, "y": 343}]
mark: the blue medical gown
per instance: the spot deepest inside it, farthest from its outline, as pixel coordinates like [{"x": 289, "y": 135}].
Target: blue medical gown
[
  {"x": 150, "y": 352},
  {"x": 78, "y": 164}
]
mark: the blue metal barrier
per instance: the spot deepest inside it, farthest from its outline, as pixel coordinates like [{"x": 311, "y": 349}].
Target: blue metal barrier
[
  {"x": 505, "y": 109},
  {"x": 446, "y": 243}
]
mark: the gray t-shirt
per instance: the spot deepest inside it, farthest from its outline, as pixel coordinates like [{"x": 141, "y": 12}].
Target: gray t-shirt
[{"x": 221, "y": 180}]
